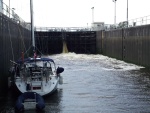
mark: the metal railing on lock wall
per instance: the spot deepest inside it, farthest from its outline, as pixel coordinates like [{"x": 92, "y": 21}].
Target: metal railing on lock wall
[
  {"x": 7, "y": 11},
  {"x": 62, "y": 29},
  {"x": 131, "y": 23}
]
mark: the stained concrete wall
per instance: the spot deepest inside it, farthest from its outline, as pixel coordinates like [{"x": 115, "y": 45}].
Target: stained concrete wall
[
  {"x": 99, "y": 41},
  {"x": 13, "y": 40},
  {"x": 113, "y": 43},
  {"x": 130, "y": 44},
  {"x": 136, "y": 44}
]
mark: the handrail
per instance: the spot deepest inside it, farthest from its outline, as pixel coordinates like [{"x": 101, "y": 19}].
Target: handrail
[
  {"x": 62, "y": 29},
  {"x": 131, "y": 23},
  {"x": 10, "y": 13}
]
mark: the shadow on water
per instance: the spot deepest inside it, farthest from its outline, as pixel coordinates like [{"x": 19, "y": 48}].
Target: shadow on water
[
  {"x": 7, "y": 101},
  {"x": 52, "y": 103},
  {"x": 142, "y": 78}
]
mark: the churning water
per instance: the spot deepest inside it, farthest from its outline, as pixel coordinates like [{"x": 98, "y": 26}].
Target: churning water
[{"x": 94, "y": 84}]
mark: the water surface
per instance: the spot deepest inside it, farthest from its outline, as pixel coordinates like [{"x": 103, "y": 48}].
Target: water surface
[{"x": 95, "y": 84}]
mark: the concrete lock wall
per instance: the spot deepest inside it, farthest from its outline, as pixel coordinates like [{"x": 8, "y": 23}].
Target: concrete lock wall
[
  {"x": 137, "y": 45},
  {"x": 99, "y": 41},
  {"x": 113, "y": 43},
  {"x": 13, "y": 40},
  {"x": 130, "y": 44},
  {"x": 109, "y": 43}
]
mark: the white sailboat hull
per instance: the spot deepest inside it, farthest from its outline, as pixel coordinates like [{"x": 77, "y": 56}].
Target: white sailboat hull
[
  {"x": 37, "y": 75},
  {"x": 40, "y": 87}
]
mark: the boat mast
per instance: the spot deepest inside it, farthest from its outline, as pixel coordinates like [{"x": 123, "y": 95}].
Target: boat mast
[{"x": 32, "y": 25}]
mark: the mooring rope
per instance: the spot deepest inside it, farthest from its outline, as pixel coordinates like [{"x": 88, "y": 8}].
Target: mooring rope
[
  {"x": 39, "y": 51},
  {"x": 24, "y": 47}
]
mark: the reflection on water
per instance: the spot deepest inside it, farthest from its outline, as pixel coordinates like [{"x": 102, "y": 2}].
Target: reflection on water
[
  {"x": 53, "y": 102},
  {"x": 94, "y": 84}
]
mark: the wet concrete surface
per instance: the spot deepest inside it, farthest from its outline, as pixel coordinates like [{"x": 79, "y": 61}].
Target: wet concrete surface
[{"x": 94, "y": 84}]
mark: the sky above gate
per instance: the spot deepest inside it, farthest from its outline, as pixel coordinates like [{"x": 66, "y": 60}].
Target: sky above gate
[{"x": 78, "y": 13}]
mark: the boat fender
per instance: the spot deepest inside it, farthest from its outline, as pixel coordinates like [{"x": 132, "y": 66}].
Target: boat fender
[
  {"x": 59, "y": 70},
  {"x": 60, "y": 80}
]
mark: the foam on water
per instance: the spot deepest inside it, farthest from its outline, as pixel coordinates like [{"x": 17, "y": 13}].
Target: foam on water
[{"x": 104, "y": 62}]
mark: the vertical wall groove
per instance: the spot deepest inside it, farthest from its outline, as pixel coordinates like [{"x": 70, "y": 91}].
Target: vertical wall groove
[{"x": 129, "y": 44}]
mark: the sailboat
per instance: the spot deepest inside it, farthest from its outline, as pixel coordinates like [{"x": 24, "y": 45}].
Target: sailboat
[{"x": 36, "y": 74}]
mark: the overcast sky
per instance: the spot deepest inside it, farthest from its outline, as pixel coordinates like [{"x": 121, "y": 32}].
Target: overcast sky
[{"x": 78, "y": 13}]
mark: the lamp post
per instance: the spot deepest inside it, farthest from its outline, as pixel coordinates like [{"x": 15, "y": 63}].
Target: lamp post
[
  {"x": 92, "y": 14},
  {"x": 127, "y": 13},
  {"x": 1, "y": 6},
  {"x": 9, "y": 8},
  {"x": 115, "y": 12}
]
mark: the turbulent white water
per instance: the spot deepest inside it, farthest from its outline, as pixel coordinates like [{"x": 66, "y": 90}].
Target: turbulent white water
[{"x": 104, "y": 62}]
